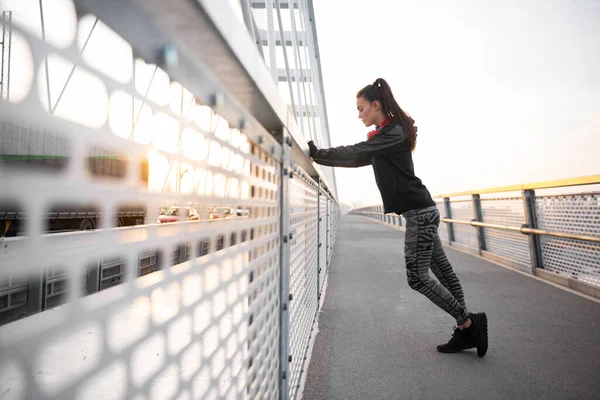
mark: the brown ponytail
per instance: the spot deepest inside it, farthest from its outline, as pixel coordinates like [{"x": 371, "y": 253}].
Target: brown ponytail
[{"x": 380, "y": 91}]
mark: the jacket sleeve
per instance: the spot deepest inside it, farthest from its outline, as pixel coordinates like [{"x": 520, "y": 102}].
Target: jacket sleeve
[
  {"x": 383, "y": 144},
  {"x": 361, "y": 162}
]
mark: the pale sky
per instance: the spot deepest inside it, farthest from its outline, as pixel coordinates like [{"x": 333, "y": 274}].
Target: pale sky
[{"x": 503, "y": 92}]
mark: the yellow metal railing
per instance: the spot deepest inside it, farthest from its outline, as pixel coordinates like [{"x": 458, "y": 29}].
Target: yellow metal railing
[{"x": 579, "y": 181}]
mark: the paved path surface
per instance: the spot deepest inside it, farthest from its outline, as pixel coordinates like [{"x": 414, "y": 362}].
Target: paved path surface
[{"x": 377, "y": 336}]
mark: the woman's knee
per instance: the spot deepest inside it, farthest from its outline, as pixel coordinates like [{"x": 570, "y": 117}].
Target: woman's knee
[{"x": 417, "y": 281}]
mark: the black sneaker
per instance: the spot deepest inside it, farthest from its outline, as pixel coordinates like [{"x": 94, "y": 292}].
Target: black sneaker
[
  {"x": 481, "y": 332},
  {"x": 461, "y": 340}
]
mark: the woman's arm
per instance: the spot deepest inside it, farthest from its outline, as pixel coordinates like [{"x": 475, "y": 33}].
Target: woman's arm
[
  {"x": 384, "y": 143},
  {"x": 345, "y": 163}
]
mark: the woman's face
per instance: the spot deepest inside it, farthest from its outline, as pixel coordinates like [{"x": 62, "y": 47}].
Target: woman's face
[{"x": 369, "y": 113}]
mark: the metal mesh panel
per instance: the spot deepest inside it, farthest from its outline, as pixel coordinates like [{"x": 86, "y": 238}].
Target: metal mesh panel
[
  {"x": 578, "y": 214},
  {"x": 207, "y": 327},
  {"x": 443, "y": 229},
  {"x": 328, "y": 232},
  {"x": 338, "y": 215},
  {"x": 303, "y": 271},
  {"x": 511, "y": 245},
  {"x": 334, "y": 218},
  {"x": 323, "y": 241},
  {"x": 331, "y": 214},
  {"x": 464, "y": 234}
]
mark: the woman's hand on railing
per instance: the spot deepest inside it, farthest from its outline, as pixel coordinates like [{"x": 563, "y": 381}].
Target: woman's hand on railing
[{"x": 313, "y": 148}]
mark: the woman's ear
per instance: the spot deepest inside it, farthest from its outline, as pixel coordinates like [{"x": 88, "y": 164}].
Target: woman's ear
[{"x": 376, "y": 105}]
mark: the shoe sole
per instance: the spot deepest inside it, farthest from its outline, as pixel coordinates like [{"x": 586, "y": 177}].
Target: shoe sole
[
  {"x": 445, "y": 351},
  {"x": 482, "y": 337}
]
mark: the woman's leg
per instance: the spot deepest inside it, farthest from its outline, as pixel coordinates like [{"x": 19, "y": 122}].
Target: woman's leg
[
  {"x": 442, "y": 269},
  {"x": 421, "y": 232}
]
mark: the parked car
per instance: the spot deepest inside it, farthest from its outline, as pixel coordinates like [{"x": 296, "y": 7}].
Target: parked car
[
  {"x": 242, "y": 212},
  {"x": 178, "y": 214},
  {"x": 222, "y": 212}
]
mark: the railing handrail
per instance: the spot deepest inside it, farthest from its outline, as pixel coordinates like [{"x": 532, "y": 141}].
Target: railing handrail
[
  {"x": 578, "y": 181},
  {"x": 524, "y": 229}
]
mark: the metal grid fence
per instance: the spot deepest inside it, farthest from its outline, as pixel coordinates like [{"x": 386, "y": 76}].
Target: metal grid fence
[
  {"x": 324, "y": 242},
  {"x": 303, "y": 271},
  {"x": 134, "y": 308},
  {"x": 331, "y": 227},
  {"x": 573, "y": 214},
  {"x": 510, "y": 245},
  {"x": 443, "y": 229},
  {"x": 463, "y": 234}
]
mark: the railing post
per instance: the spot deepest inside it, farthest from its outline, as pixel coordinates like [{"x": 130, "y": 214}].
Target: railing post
[
  {"x": 478, "y": 215},
  {"x": 535, "y": 248},
  {"x": 284, "y": 270},
  {"x": 449, "y": 215}
]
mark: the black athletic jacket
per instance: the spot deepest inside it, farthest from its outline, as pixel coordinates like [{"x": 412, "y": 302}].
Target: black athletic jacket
[{"x": 391, "y": 158}]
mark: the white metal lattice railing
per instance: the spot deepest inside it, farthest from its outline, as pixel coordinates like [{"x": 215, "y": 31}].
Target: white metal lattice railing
[{"x": 111, "y": 130}]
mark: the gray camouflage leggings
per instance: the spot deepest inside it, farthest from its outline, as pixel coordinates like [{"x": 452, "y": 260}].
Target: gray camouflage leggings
[{"x": 423, "y": 251}]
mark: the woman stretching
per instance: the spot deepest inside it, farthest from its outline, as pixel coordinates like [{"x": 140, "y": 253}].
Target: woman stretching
[{"x": 388, "y": 149}]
